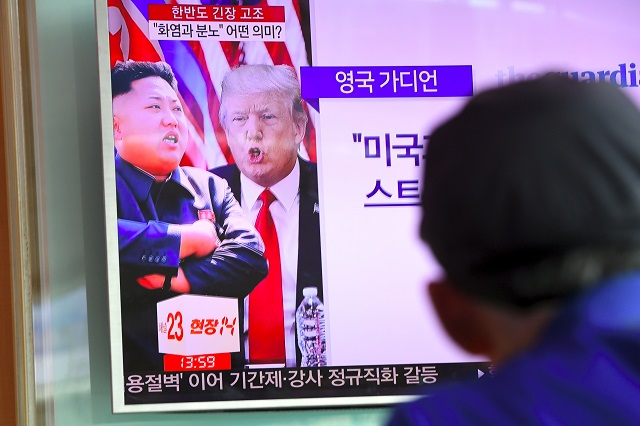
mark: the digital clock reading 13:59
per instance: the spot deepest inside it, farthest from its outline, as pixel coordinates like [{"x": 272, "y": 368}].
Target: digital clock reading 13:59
[{"x": 197, "y": 362}]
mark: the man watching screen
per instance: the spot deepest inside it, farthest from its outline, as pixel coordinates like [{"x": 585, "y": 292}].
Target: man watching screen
[
  {"x": 180, "y": 230},
  {"x": 531, "y": 203},
  {"x": 263, "y": 117}
]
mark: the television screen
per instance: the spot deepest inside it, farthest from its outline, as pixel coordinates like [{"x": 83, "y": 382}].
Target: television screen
[{"x": 318, "y": 299}]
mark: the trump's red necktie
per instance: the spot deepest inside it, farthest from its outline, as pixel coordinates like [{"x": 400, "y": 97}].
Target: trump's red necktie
[{"x": 266, "y": 316}]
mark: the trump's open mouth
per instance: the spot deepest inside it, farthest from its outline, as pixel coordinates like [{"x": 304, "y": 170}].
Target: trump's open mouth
[{"x": 255, "y": 155}]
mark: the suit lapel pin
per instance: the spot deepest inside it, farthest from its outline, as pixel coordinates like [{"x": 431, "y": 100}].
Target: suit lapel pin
[
  {"x": 316, "y": 208},
  {"x": 207, "y": 215}
]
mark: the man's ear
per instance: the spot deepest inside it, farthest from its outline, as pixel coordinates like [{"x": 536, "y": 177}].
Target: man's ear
[
  {"x": 300, "y": 127},
  {"x": 461, "y": 317}
]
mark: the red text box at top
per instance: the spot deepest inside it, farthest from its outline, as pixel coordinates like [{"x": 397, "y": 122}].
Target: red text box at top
[{"x": 167, "y": 12}]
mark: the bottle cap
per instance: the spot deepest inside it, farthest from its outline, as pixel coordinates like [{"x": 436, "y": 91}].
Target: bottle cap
[{"x": 310, "y": 291}]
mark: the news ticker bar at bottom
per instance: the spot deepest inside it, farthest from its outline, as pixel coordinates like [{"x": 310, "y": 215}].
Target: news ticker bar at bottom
[{"x": 285, "y": 383}]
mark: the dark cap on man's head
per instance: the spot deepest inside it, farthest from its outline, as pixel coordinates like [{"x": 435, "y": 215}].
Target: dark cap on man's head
[{"x": 528, "y": 172}]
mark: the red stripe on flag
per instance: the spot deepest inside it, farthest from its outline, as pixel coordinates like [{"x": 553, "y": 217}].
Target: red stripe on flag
[
  {"x": 192, "y": 109},
  {"x": 214, "y": 101},
  {"x": 193, "y": 156},
  {"x": 140, "y": 47},
  {"x": 116, "y": 54},
  {"x": 233, "y": 52},
  {"x": 278, "y": 52},
  {"x": 296, "y": 6}
]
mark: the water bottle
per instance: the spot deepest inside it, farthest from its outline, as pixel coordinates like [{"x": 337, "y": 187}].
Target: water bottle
[{"x": 311, "y": 331}]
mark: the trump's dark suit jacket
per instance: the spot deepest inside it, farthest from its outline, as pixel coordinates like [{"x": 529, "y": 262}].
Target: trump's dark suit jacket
[{"x": 309, "y": 263}]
